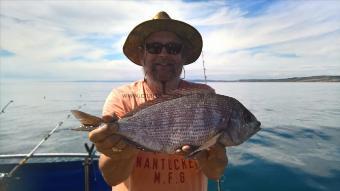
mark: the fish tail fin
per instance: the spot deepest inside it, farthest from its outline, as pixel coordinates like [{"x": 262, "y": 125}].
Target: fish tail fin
[{"x": 87, "y": 119}]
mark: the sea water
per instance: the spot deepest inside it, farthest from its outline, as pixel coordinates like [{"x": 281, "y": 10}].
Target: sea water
[{"x": 297, "y": 149}]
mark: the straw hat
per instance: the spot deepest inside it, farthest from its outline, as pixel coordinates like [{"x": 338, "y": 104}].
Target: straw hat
[{"x": 163, "y": 22}]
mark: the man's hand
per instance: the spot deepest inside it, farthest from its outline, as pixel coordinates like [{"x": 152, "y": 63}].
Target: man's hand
[
  {"x": 212, "y": 161},
  {"x": 111, "y": 144},
  {"x": 117, "y": 159}
]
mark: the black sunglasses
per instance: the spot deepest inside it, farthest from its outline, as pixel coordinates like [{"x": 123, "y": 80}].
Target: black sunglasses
[{"x": 156, "y": 47}]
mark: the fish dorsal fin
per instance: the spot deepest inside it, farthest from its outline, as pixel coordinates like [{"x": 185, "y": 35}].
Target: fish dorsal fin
[
  {"x": 169, "y": 96},
  {"x": 189, "y": 91},
  {"x": 86, "y": 119}
]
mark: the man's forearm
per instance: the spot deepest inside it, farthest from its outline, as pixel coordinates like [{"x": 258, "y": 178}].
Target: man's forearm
[
  {"x": 115, "y": 170},
  {"x": 213, "y": 161}
]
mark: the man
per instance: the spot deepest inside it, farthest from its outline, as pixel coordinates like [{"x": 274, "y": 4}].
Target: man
[{"x": 161, "y": 46}]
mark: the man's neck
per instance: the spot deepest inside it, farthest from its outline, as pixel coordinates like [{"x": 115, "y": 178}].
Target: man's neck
[{"x": 163, "y": 87}]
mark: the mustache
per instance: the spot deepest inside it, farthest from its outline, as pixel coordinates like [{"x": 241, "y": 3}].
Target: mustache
[
  {"x": 171, "y": 65},
  {"x": 164, "y": 62}
]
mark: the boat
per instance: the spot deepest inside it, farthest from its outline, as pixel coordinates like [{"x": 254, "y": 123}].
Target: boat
[{"x": 53, "y": 172}]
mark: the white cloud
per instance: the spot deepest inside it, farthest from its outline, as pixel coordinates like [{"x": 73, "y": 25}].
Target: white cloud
[
  {"x": 309, "y": 30},
  {"x": 47, "y": 38}
]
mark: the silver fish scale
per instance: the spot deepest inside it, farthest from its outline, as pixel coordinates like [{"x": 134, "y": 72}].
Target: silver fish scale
[{"x": 166, "y": 126}]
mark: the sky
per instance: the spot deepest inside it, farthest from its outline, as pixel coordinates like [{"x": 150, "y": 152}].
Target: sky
[{"x": 242, "y": 39}]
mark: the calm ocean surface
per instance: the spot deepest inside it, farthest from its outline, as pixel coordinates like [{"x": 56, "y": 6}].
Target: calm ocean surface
[{"x": 297, "y": 149}]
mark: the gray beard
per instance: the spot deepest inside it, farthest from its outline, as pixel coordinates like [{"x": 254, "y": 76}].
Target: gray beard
[
  {"x": 161, "y": 77},
  {"x": 154, "y": 75}
]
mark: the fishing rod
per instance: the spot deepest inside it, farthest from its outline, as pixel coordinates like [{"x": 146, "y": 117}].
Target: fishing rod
[
  {"x": 204, "y": 69},
  {"x": 29, "y": 155},
  {"x": 218, "y": 182},
  {"x": 3, "y": 109}
]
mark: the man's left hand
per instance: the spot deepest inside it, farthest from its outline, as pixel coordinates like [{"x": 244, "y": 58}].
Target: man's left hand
[{"x": 211, "y": 161}]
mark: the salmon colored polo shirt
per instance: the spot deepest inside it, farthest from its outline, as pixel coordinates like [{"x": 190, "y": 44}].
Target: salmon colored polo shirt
[{"x": 154, "y": 171}]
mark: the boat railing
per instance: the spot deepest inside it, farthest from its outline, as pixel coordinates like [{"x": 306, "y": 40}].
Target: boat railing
[
  {"x": 86, "y": 158},
  {"x": 47, "y": 155}
]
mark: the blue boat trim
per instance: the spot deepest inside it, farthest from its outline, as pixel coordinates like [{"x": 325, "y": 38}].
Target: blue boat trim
[{"x": 54, "y": 175}]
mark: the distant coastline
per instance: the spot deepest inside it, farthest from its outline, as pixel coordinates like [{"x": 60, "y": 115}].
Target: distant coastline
[
  {"x": 324, "y": 78},
  {"x": 293, "y": 79}
]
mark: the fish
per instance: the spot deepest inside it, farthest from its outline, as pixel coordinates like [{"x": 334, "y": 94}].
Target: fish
[{"x": 199, "y": 118}]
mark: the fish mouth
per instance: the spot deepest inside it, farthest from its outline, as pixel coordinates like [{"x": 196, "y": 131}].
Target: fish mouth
[{"x": 254, "y": 125}]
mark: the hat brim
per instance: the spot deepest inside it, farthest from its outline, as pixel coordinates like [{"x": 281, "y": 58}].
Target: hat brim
[{"x": 185, "y": 31}]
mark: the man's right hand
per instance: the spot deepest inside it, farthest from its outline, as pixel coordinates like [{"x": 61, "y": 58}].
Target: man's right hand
[
  {"x": 111, "y": 144},
  {"x": 117, "y": 160}
]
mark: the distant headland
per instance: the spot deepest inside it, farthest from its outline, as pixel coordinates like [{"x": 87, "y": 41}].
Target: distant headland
[{"x": 293, "y": 79}]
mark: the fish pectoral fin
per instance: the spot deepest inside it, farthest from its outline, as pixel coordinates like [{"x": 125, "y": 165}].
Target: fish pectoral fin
[
  {"x": 135, "y": 144},
  {"x": 211, "y": 142}
]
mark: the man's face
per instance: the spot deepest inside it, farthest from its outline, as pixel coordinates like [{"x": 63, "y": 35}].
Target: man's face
[{"x": 162, "y": 66}]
